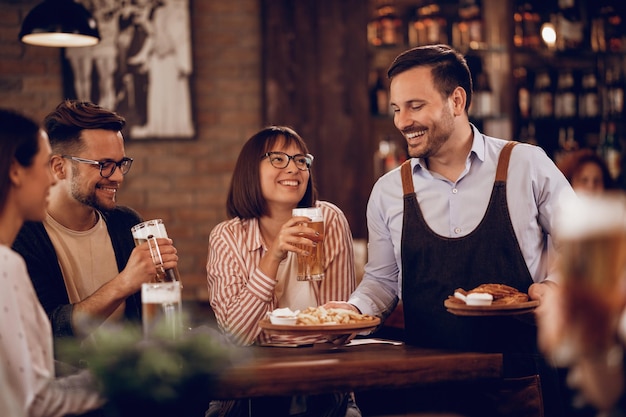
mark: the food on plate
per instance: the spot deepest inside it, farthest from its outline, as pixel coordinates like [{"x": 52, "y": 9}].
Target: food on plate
[
  {"x": 321, "y": 315},
  {"x": 501, "y": 295}
]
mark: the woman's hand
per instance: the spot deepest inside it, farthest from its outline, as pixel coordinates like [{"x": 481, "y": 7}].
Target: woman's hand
[{"x": 294, "y": 236}]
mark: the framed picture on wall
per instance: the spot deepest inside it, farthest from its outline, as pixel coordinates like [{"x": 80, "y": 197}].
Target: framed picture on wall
[{"x": 141, "y": 68}]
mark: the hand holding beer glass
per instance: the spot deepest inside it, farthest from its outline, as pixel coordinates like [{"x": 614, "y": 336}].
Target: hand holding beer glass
[
  {"x": 579, "y": 323},
  {"x": 311, "y": 266},
  {"x": 590, "y": 238},
  {"x": 161, "y": 299}
]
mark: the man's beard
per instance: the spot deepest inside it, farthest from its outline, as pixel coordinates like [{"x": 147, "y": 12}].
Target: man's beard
[
  {"x": 87, "y": 199},
  {"x": 438, "y": 135}
]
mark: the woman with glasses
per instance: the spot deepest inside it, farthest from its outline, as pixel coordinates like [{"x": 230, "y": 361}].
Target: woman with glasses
[
  {"x": 251, "y": 267},
  {"x": 29, "y": 385}
]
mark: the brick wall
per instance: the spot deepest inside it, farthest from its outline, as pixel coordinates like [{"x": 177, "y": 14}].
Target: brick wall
[{"x": 185, "y": 182}]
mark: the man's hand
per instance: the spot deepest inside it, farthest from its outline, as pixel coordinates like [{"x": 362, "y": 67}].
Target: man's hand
[
  {"x": 341, "y": 304},
  {"x": 141, "y": 268},
  {"x": 538, "y": 291}
]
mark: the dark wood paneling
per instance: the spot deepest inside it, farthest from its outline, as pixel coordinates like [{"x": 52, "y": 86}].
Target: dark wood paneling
[{"x": 315, "y": 65}]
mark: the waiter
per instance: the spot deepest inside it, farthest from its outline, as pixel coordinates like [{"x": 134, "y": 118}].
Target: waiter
[{"x": 464, "y": 210}]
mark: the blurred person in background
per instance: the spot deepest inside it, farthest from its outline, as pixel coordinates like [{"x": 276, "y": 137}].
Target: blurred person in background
[
  {"x": 586, "y": 171},
  {"x": 82, "y": 257},
  {"x": 26, "y": 342},
  {"x": 252, "y": 267}
]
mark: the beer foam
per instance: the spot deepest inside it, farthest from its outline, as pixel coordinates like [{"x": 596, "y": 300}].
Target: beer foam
[
  {"x": 586, "y": 215},
  {"x": 313, "y": 213},
  {"x": 149, "y": 228},
  {"x": 161, "y": 293}
]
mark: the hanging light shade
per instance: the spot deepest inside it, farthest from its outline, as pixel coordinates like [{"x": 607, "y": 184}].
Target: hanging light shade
[{"x": 60, "y": 23}]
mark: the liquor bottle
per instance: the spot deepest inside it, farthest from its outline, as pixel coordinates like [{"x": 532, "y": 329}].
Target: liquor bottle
[
  {"x": 569, "y": 25},
  {"x": 589, "y": 99},
  {"x": 518, "y": 29},
  {"x": 607, "y": 29},
  {"x": 523, "y": 92},
  {"x": 531, "y": 24},
  {"x": 467, "y": 31},
  {"x": 482, "y": 100},
  {"x": 386, "y": 157},
  {"x": 385, "y": 29},
  {"x": 565, "y": 97},
  {"x": 542, "y": 97},
  {"x": 428, "y": 26},
  {"x": 610, "y": 149},
  {"x": 567, "y": 143},
  {"x": 379, "y": 94},
  {"x": 614, "y": 29},
  {"x": 613, "y": 102}
]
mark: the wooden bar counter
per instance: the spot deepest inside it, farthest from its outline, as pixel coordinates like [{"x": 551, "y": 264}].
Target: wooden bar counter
[{"x": 270, "y": 371}]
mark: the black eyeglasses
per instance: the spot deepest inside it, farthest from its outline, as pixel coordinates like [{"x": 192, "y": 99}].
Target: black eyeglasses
[
  {"x": 280, "y": 160},
  {"x": 107, "y": 168}
]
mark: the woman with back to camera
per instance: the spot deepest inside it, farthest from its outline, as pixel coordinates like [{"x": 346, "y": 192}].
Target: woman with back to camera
[
  {"x": 251, "y": 267},
  {"x": 26, "y": 348}
]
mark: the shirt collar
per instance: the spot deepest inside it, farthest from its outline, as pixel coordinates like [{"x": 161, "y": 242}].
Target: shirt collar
[{"x": 478, "y": 144}]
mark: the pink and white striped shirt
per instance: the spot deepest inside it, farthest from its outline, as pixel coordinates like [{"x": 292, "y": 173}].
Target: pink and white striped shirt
[{"x": 241, "y": 295}]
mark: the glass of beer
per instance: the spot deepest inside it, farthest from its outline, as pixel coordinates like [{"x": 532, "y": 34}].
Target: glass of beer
[
  {"x": 148, "y": 231},
  {"x": 311, "y": 267},
  {"x": 161, "y": 309},
  {"x": 590, "y": 237}
]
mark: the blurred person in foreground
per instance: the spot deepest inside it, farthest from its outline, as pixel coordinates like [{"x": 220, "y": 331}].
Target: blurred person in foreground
[
  {"x": 586, "y": 171},
  {"x": 26, "y": 342},
  {"x": 82, "y": 257},
  {"x": 252, "y": 268},
  {"x": 464, "y": 210},
  {"x": 582, "y": 322}
]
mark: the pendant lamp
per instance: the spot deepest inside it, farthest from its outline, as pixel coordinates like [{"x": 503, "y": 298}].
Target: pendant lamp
[{"x": 60, "y": 23}]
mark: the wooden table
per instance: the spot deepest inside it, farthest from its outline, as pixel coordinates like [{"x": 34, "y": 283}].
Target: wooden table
[{"x": 267, "y": 371}]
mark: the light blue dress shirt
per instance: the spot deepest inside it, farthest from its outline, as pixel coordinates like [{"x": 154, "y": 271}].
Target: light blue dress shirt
[{"x": 454, "y": 209}]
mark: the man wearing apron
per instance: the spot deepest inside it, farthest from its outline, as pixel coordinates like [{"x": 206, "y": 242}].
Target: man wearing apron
[{"x": 464, "y": 210}]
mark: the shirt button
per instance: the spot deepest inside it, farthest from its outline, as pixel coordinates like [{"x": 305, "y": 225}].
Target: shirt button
[
  {"x": 454, "y": 191},
  {"x": 457, "y": 230}
]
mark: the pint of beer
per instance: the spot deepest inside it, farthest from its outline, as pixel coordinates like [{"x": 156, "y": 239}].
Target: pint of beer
[
  {"x": 161, "y": 309},
  {"x": 311, "y": 267},
  {"x": 591, "y": 245}
]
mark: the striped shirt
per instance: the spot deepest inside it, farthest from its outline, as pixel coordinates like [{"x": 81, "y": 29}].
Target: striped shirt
[{"x": 241, "y": 295}]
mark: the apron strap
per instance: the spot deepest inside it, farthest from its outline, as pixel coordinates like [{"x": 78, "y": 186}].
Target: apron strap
[
  {"x": 407, "y": 178},
  {"x": 503, "y": 161}
]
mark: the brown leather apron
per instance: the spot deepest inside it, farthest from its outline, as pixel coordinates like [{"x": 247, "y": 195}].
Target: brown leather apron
[{"x": 433, "y": 266}]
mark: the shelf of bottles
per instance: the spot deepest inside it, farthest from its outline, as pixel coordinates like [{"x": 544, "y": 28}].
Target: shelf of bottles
[{"x": 569, "y": 71}]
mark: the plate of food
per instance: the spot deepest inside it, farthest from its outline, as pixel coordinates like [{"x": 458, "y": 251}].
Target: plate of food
[
  {"x": 489, "y": 300},
  {"x": 320, "y": 320}
]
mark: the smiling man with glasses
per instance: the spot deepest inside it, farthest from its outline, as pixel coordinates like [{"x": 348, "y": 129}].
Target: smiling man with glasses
[{"x": 82, "y": 258}]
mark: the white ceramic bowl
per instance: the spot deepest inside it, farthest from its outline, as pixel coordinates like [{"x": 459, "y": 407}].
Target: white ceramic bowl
[{"x": 285, "y": 321}]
